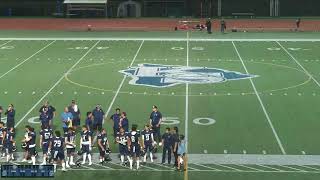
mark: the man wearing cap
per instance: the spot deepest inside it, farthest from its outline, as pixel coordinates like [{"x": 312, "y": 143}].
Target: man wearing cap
[
  {"x": 75, "y": 111},
  {"x": 124, "y": 122},
  {"x": 155, "y": 122},
  {"x": 51, "y": 111},
  {"x": 115, "y": 118}
]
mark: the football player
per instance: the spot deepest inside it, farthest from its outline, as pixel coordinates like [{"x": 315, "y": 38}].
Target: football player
[
  {"x": 122, "y": 140},
  {"x": 103, "y": 144},
  {"x": 155, "y": 123},
  {"x": 57, "y": 146},
  {"x": 147, "y": 142},
  {"x": 45, "y": 140},
  {"x": 85, "y": 143},
  {"x": 134, "y": 146},
  {"x": 30, "y": 140},
  {"x": 9, "y": 143},
  {"x": 2, "y": 137},
  {"x": 70, "y": 138}
]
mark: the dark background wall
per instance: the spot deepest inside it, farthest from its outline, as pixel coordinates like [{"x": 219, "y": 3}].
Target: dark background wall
[{"x": 174, "y": 8}]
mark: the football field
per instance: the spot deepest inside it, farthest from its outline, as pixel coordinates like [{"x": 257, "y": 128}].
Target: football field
[{"x": 248, "y": 107}]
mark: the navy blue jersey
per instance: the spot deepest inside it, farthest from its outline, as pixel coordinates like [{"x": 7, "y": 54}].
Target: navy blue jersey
[
  {"x": 50, "y": 111},
  {"x": 103, "y": 138},
  {"x": 2, "y": 132},
  {"x": 32, "y": 142},
  {"x": 167, "y": 139},
  {"x": 116, "y": 119},
  {"x": 97, "y": 116},
  {"x": 70, "y": 138},
  {"x": 155, "y": 117},
  {"x": 122, "y": 139},
  {"x": 147, "y": 136},
  {"x": 134, "y": 138},
  {"x": 9, "y": 137},
  {"x": 44, "y": 118},
  {"x": 46, "y": 135},
  {"x": 58, "y": 143},
  {"x": 85, "y": 136}
]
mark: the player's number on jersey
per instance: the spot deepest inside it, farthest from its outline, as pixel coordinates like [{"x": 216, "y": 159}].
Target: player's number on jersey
[{"x": 56, "y": 143}]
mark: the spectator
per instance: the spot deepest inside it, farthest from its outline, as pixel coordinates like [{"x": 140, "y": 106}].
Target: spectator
[
  {"x": 208, "y": 24},
  {"x": 75, "y": 111},
  {"x": 298, "y": 21},
  {"x": 223, "y": 26},
  {"x": 10, "y": 112},
  {"x": 124, "y": 122},
  {"x": 50, "y": 110},
  {"x": 116, "y": 120},
  {"x": 167, "y": 145},
  {"x": 66, "y": 118},
  {"x": 155, "y": 122}
]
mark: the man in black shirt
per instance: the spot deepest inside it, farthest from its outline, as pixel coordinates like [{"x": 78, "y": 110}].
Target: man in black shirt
[
  {"x": 51, "y": 111},
  {"x": 175, "y": 141},
  {"x": 167, "y": 146},
  {"x": 208, "y": 24},
  {"x": 10, "y": 112}
]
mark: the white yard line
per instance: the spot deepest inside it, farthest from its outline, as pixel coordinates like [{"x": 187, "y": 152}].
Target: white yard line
[
  {"x": 6, "y": 43},
  {"x": 165, "y": 39},
  {"x": 15, "y": 67},
  {"x": 269, "y": 167},
  {"x": 248, "y": 167},
  {"x": 88, "y": 167},
  {"x": 106, "y": 167},
  {"x": 227, "y": 167},
  {"x": 310, "y": 167},
  {"x": 208, "y": 167},
  {"x": 124, "y": 167},
  {"x": 186, "y": 122},
  {"x": 61, "y": 78},
  {"x": 121, "y": 84},
  {"x": 293, "y": 58},
  {"x": 296, "y": 169},
  {"x": 261, "y": 103},
  {"x": 148, "y": 167},
  {"x": 158, "y": 164}
]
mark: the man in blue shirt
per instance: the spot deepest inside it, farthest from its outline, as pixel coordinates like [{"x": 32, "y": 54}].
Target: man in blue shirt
[
  {"x": 66, "y": 119},
  {"x": 10, "y": 112},
  {"x": 155, "y": 122},
  {"x": 51, "y": 111},
  {"x": 116, "y": 120}
]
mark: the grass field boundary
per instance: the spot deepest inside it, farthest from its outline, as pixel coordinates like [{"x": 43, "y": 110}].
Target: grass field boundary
[
  {"x": 161, "y": 39},
  {"x": 5, "y": 43},
  {"x": 25, "y": 60},
  {"x": 261, "y": 103},
  {"x": 59, "y": 80}
]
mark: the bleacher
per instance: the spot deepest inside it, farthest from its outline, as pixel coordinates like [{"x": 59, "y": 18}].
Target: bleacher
[{"x": 73, "y": 7}]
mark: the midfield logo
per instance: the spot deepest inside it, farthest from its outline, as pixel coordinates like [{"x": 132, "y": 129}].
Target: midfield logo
[{"x": 157, "y": 75}]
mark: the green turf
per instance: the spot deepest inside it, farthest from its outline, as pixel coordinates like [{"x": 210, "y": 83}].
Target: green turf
[{"x": 289, "y": 95}]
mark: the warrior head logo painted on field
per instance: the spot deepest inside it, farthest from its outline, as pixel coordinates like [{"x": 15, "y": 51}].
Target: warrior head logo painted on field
[{"x": 157, "y": 75}]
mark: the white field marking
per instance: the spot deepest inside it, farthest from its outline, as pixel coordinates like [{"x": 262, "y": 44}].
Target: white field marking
[
  {"x": 208, "y": 167},
  {"x": 87, "y": 167},
  {"x": 61, "y": 78},
  {"x": 268, "y": 167},
  {"x": 227, "y": 167},
  {"x": 303, "y": 152},
  {"x": 26, "y": 59},
  {"x": 106, "y": 167},
  {"x": 148, "y": 167},
  {"x": 296, "y": 169},
  {"x": 261, "y": 103},
  {"x": 121, "y": 83},
  {"x": 163, "y": 166},
  {"x": 5, "y": 43},
  {"x": 293, "y": 58},
  {"x": 192, "y": 168},
  {"x": 186, "y": 123},
  {"x": 225, "y": 152},
  {"x": 123, "y": 167},
  {"x": 164, "y": 39},
  {"x": 255, "y": 169},
  {"x": 309, "y": 167}
]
